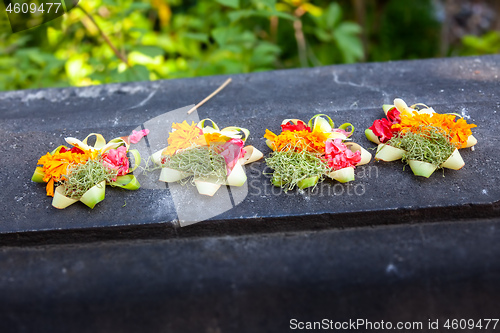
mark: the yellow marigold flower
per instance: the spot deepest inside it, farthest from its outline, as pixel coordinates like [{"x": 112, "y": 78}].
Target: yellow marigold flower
[{"x": 184, "y": 136}]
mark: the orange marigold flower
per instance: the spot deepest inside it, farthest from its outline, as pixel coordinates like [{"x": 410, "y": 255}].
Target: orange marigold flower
[
  {"x": 298, "y": 140},
  {"x": 56, "y": 166},
  {"x": 458, "y": 130},
  {"x": 184, "y": 136}
]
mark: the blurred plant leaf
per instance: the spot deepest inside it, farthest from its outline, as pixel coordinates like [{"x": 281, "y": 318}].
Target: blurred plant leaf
[{"x": 230, "y": 3}]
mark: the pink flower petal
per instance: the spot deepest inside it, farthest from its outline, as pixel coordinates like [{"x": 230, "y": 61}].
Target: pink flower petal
[
  {"x": 339, "y": 156},
  {"x": 232, "y": 152},
  {"x": 136, "y": 136},
  {"x": 117, "y": 159}
]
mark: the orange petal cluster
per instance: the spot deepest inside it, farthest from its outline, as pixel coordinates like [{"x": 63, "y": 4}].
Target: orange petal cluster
[
  {"x": 313, "y": 142},
  {"x": 184, "y": 136},
  {"x": 56, "y": 166},
  {"x": 459, "y": 130}
]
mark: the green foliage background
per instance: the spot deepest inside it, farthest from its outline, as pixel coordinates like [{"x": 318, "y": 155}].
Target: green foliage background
[{"x": 163, "y": 39}]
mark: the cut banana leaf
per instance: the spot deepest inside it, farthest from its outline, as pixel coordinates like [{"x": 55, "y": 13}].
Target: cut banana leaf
[
  {"x": 371, "y": 136},
  {"x": 365, "y": 154},
  {"x": 237, "y": 177},
  {"x": 252, "y": 154},
  {"x": 209, "y": 130},
  {"x": 121, "y": 141},
  {"x": 171, "y": 175},
  {"x": 343, "y": 175},
  {"x": 128, "y": 182},
  {"x": 236, "y": 132},
  {"x": 337, "y": 135},
  {"x": 294, "y": 121},
  {"x": 57, "y": 149},
  {"x": 156, "y": 157},
  {"x": 471, "y": 141},
  {"x": 388, "y": 153},
  {"x": 426, "y": 111},
  {"x": 99, "y": 140},
  {"x": 112, "y": 145},
  {"x": 269, "y": 143},
  {"x": 100, "y": 143},
  {"x": 77, "y": 143},
  {"x": 454, "y": 162},
  {"x": 308, "y": 182},
  {"x": 422, "y": 169},
  {"x": 201, "y": 124},
  {"x": 38, "y": 175},
  {"x": 345, "y": 126},
  {"x": 401, "y": 105},
  {"x": 206, "y": 187},
  {"x": 60, "y": 201},
  {"x": 137, "y": 158},
  {"x": 95, "y": 195},
  {"x": 319, "y": 124},
  {"x": 387, "y": 108}
]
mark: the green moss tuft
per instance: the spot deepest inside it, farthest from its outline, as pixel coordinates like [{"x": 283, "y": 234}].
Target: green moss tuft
[
  {"x": 83, "y": 177},
  {"x": 430, "y": 144},
  {"x": 290, "y": 167},
  {"x": 202, "y": 161}
]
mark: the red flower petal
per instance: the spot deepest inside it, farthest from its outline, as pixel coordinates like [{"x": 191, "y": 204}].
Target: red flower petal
[
  {"x": 394, "y": 116},
  {"x": 382, "y": 129},
  {"x": 301, "y": 126}
]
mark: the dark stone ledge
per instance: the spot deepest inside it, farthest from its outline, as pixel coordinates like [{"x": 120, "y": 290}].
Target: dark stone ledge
[
  {"x": 435, "y": 271},
  {"x": 34, "y": 122}
]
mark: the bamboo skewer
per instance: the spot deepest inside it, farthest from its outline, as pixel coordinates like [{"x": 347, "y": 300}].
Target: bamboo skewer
[{"x": 210, "y": 96}]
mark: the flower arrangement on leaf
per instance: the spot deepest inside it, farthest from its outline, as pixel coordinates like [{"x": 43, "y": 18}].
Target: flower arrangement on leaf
[
  {"x": 304, "y": 154},
  {"x": 206, "y": 156},
  {"x": 422, "y": 138},
  {"x": 80, "y": 173}
]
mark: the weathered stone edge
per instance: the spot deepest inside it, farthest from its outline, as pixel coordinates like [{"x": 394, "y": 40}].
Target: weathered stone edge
[{"x": 238, "y": 227}]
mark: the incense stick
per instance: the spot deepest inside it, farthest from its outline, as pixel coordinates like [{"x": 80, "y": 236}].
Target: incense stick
[{"x": 210, "y": 96}]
